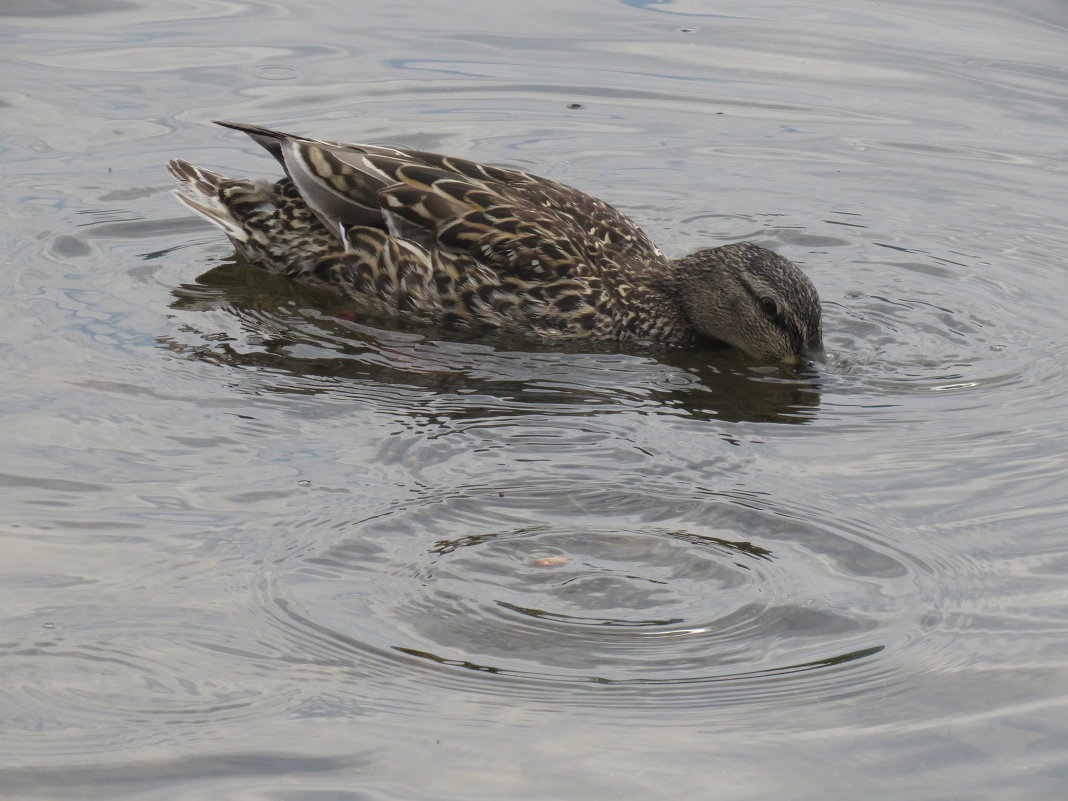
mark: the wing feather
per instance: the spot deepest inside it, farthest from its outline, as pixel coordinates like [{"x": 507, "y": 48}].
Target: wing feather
[
  {"x": 520, "y": 223},
  {"x": 460, "y": 242}
]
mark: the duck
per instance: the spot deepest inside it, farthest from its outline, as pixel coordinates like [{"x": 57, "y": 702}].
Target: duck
[{"x": 441, "y": 240}]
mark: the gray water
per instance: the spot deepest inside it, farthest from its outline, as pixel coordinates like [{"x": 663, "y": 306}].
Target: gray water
[{"x": 253, "y": 548}]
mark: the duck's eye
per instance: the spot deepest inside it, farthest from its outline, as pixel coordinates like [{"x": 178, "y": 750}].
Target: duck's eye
[{"x": 769, "y": 306}]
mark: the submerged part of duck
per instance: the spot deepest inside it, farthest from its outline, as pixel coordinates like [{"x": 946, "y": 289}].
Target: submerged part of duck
[{"x": 446, "y": 241}]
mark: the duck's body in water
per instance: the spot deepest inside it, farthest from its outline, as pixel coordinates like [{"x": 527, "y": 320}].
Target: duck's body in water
[{"x": 446, "y": 241}]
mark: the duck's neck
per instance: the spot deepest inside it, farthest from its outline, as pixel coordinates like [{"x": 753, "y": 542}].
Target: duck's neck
[{"x": 663, "y": 318}]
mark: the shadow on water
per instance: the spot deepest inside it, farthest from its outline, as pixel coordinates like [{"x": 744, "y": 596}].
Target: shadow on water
[{"x": 314, "y": 336}]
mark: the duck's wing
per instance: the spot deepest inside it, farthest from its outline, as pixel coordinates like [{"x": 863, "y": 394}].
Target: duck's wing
[{"x": 515, "y": 222}]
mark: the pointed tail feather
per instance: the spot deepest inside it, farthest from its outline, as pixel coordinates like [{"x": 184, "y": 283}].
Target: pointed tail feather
[{"x": 269, "y": 140}]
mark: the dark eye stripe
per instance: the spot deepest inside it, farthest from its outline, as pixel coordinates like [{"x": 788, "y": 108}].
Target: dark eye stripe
[{"x": 779, "y": 320}]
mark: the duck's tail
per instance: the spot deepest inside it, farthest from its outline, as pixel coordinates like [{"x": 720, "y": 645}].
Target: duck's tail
[{"x": 217, "y": 199}]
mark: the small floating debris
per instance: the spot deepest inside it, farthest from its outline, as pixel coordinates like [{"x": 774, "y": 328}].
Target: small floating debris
[{"x": 550, "y": 561}]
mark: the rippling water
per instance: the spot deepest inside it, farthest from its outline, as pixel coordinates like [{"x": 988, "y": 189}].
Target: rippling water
[{"x": 254, "y": 548}]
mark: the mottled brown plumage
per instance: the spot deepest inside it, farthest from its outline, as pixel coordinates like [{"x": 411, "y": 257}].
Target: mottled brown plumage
[{"x": 443, "y": 240}]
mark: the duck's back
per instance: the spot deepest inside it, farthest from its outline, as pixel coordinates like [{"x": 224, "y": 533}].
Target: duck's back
[{"x": 442, "y": 240}]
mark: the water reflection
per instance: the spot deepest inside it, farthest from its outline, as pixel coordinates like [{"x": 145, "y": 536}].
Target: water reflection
[{"x": 309, "y": 334}]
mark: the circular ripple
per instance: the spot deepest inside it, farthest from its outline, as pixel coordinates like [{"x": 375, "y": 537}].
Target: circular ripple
[
  {"x": 274, "y": 72},
  {"x": 733, "y": 602},
  {"x": 920, "y": 323},
  {"x": 97, "y": 680}
]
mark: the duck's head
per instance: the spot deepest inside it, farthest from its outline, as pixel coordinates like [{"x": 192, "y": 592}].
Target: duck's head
[{"x": 752, "y": 298}]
